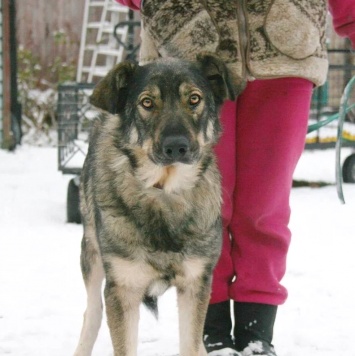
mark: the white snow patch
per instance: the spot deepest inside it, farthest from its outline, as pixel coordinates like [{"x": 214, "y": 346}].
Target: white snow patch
[{"x": 42, "y": 296}]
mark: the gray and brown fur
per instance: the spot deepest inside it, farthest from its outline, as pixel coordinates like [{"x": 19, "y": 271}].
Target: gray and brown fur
[{"x": 150, "y": 197}]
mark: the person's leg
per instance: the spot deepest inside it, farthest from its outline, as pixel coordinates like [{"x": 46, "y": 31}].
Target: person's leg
[
  {"x": 218, "y": 324},
  {"x": 225, "y": 152},
  {"x": 272, "y": 118}
]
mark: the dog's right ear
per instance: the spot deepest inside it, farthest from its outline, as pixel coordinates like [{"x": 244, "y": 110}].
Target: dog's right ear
[
  {"x": 110, "y": 94},
  {"x": 223, "y": 84}
]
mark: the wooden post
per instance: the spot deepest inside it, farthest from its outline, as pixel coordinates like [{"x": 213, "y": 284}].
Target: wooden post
[{"x": 7, "y": 140}]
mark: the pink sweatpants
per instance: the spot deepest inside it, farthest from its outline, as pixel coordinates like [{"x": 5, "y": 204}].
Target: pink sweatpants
[{"x": 263, "y": 138}]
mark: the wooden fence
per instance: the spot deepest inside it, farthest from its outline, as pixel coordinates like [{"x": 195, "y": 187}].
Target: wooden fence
[{"x": 50, "y": 29}]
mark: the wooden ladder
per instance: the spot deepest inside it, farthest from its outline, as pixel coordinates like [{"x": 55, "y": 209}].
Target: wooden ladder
[{"x": 99, "y": 49}]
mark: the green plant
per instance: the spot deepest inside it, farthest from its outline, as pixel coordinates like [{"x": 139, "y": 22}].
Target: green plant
[
  {"x": 37, "y": 87},
  {"x": 63, "y": 70}
]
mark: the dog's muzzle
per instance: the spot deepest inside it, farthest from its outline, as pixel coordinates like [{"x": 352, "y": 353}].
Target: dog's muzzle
[{"x": 175, "y": 148}]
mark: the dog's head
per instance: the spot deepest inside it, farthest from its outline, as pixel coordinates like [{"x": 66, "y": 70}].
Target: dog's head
[{"x": 168, "y": 107}]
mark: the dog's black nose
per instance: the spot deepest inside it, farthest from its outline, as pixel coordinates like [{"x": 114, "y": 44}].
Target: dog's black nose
[{"x": 176, "y": 148}]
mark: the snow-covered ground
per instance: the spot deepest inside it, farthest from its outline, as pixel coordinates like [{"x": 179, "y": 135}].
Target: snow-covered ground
[{"x": 42, "y": 296}]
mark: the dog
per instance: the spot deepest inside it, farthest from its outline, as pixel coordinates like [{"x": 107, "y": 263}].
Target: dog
[{"x": 150, "y": 197}]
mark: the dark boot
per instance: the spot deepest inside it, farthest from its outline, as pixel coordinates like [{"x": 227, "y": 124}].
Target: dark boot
[
  {"x": 254, "y": 325},
  {"x": 217, "y": 331}
]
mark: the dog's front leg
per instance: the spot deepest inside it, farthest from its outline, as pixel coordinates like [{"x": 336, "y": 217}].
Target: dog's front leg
[
  {"x": 193, "y": 301},
  {"x": 93, "y": 274},
  {"x": 122, "y": 309}
]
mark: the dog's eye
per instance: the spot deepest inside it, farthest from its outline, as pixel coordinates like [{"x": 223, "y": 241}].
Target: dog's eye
[
  {"x": 194, "y": 99},
  {"x": 147, "y": 103}
]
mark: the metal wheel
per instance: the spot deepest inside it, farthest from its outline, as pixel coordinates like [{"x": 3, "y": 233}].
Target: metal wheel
[
  {"x": 73, "y": 202},
  {"x": 349, "y": 169}
]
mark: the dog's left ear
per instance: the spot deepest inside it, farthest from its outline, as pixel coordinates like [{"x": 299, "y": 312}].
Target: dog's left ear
[
  {"x": 110, "y": 93},
  {"x": 216, "y": 71}
]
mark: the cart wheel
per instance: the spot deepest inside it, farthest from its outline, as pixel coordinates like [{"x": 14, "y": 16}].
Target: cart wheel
[
  {"x": 349, "y": 169},
  {"x": 73, "y": 202}
]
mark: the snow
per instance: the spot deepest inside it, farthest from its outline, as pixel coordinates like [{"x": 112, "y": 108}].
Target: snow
[{"x": 42, "y": 297}]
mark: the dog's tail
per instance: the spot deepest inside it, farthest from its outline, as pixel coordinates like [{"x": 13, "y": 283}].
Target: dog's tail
[{"x": 152, "y": 304}]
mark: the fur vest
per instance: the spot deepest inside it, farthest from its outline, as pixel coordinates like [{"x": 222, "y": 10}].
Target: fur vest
[{"x": 258, "y": 39}]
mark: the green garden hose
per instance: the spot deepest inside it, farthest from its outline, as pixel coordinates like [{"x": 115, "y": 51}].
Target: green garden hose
[{"x": 343, "y": 109}]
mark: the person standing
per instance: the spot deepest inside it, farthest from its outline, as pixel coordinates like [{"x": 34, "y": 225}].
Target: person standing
[{"x": 277, "y": 49}]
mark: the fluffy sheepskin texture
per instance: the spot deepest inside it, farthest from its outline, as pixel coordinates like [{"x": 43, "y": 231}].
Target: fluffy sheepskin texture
[{"x": 257, "y": 39}]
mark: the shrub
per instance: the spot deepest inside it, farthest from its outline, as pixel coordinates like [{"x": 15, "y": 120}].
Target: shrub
[{"x": 38, "y": 92}]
